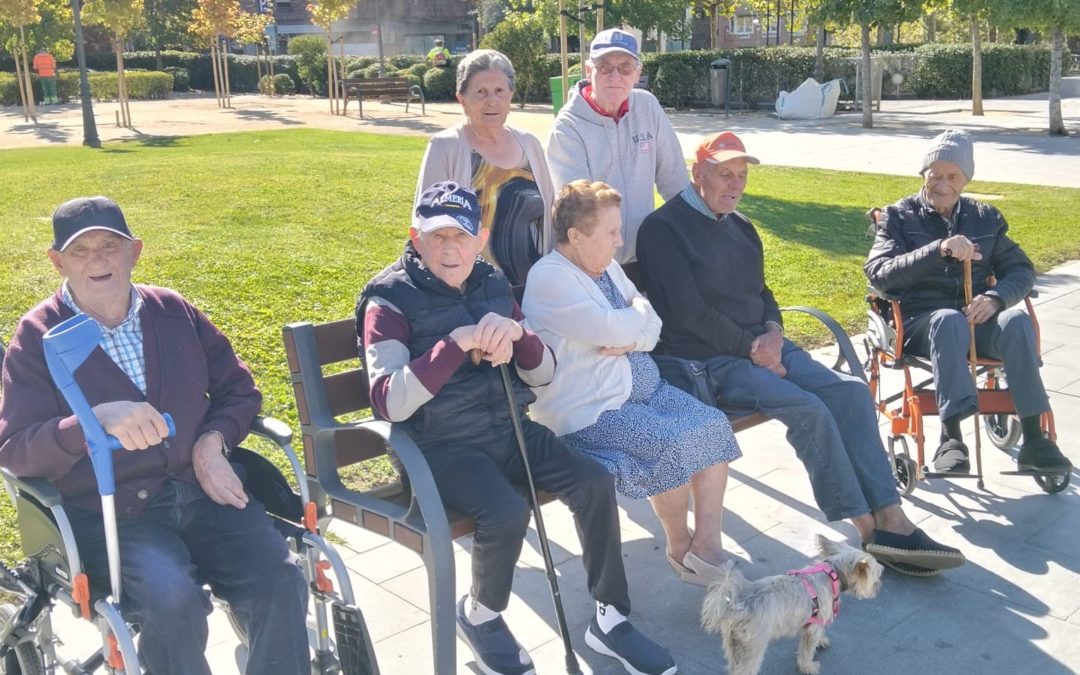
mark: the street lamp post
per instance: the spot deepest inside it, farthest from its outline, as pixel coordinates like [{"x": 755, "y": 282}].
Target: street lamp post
[{"x": 90, "y": 135}]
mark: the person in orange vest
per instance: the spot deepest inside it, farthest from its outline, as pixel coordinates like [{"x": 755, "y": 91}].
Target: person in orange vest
[{"x": 45, "y": 67}]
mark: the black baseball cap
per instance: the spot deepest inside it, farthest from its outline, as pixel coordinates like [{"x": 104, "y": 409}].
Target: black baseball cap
[{"x": 84, "y": 214}]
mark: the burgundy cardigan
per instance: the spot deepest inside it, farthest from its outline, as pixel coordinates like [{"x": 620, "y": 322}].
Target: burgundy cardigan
[{"x": 191, "y": 373}]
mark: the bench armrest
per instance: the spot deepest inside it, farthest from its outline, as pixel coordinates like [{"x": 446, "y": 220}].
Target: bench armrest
[
  {"x": 843, "y": 342},
  {"x": 425, "y": 512}
]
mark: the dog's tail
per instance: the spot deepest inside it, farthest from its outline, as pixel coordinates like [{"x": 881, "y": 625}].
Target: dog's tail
[{"x": 725, "y": 595}]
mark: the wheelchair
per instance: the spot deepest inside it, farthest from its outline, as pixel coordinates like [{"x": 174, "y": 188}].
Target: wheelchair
[
  {"x": 906, "y": 409},
  {"x": 51, "y": 577}
]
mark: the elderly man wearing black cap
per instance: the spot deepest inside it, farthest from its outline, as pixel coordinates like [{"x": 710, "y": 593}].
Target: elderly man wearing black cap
[
  {"x": 921, "y": 244},
  {"x": 183, "y": 512},
  {"x": 417, "y": 322}
]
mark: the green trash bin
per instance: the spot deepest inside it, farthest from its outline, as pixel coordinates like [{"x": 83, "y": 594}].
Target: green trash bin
[{"x": 556, "y": 91}]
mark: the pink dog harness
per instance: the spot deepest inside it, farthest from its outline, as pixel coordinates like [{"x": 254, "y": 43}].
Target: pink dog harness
[{"x": 815, "y": 613}]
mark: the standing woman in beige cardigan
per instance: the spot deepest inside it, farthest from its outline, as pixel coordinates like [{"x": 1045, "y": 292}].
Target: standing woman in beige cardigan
[{"x": 504, "y": 166}]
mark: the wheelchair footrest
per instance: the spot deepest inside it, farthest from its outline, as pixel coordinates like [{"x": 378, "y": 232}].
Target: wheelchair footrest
[
  {"x": 1037, "y": 474},
  {"x": 353, "y": 641}
]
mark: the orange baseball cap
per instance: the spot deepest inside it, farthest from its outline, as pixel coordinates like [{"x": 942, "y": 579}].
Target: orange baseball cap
[{"x": 722, "y": 146}]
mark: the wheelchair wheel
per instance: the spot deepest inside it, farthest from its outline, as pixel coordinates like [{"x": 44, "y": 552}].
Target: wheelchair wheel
[
  {"x": 1053, "y": 483},
  {"x": 1002, "y": 429},
  {"x": 24, "y": 658},
  {"x": 904, "y": 469}
]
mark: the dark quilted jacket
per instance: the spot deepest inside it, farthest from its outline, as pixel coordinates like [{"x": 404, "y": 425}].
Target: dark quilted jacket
[{"x": 905, "y": 260}]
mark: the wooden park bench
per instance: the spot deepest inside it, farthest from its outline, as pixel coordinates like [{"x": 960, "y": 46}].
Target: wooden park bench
[
  {"x": 392, "y": 88},
  {"x": 329, "y": 382}
]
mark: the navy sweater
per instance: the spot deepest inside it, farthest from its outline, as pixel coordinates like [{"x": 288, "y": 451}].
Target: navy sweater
[{"x": 706, "y": 279}]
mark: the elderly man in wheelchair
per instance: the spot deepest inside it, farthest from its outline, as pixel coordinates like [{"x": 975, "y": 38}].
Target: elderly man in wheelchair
[
  {"x": 184, "y": 516},
  {"x": 921, "y": 246}
]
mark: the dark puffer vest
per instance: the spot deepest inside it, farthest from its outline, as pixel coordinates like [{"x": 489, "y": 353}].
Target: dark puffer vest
[
  {"x": 472, "y": 403},
  {"x": 905, "y": 259}
]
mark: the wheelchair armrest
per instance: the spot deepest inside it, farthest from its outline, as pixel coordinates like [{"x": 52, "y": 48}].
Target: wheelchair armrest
[
  {"x": 843, "y": 342},
  {"x": 40, "y": 489},
  {"x": 884, "y": 295},
  {"x": 272, "y": 430},
  {"x": 1033, "y": 293}
]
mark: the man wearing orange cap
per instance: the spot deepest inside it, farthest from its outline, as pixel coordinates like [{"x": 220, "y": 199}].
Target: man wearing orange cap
[{"x": 702, "y": 265}]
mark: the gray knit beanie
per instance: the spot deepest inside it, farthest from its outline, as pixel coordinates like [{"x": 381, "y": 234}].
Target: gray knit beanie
[{"x": 952, "y": 145}]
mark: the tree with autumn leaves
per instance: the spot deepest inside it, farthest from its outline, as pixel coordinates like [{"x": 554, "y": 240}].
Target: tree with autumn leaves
[
  {"x": 15, "y": 16},
  {"x": 121, "y": 18},
  {"x": 323, "y": 14}
]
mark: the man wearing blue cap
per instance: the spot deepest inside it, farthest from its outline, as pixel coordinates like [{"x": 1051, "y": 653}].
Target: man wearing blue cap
[
  {"x": 921, "y": 244},
  {"x": 611, "y": 132},
  {"x": 417, "y": 322}
]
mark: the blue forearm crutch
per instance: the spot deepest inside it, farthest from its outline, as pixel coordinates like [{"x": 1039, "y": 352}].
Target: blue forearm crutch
[{"x": 66, "y": 347}]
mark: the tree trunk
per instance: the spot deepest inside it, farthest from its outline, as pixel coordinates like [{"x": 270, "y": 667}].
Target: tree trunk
[
  {"x": 270, "y": 67},
  {"x": 121, "y": 84},
  {"x": 819, "y": 55},
  {"x": 226, "y": 89},
  {"x": 331, "y": 73},
  {"x": 867, "y": 92},
  {"x": 976, "y": 67},
  {"x": 215, "y": 67},
  {"x": 159, "y": 64},
  {"x": 1057, "y": 124},
  {"x": 29, "y": 81},
  {"x": 20, "y": 81},
  {"x": 341, "y": 78},
  {"x": 930, "y": 23}
]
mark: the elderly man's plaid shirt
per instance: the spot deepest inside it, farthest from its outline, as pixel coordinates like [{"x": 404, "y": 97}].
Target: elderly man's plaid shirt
[{"x": 123, "y": 344}]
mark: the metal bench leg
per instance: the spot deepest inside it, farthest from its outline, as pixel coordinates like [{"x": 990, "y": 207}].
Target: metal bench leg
[{"x": 441, "y": 595}]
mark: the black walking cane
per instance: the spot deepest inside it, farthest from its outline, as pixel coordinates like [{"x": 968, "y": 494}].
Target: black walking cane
[{"x": 571, "y": 661}]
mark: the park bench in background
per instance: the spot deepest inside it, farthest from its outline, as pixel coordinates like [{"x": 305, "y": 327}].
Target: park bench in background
[{"x": 392, "y": 88}]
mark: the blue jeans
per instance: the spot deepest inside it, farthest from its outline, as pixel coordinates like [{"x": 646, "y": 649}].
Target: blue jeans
[
  {"x": 831, "y": 424},
  {"x": 181, "y": 540},
  {"x": 944, "y": 336}
]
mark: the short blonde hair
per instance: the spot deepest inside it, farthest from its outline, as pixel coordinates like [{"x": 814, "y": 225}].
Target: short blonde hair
[{"x": 577, "y": 205}]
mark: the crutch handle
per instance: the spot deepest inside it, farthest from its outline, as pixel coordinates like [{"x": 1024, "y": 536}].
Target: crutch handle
[{"x": 113, "y": 443}]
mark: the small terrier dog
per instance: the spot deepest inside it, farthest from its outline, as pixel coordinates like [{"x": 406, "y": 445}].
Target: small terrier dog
[{"x": 749, "y": 614}]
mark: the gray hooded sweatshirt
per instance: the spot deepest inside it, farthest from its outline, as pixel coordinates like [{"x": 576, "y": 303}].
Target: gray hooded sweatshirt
[{"x": 632, "y": 156}]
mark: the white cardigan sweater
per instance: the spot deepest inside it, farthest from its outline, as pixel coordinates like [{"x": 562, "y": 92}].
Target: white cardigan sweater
[{"x": 566, "y": 308}]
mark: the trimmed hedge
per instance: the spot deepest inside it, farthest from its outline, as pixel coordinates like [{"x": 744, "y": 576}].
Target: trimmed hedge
[
  {"x": 440, "y": 84},
  {"x": 243, "y": 70},
  {"x": 141, "y": 86},
  {"x": 930, "y": 71},
  {"x": 283, "y": 85},
  {"x": 944, "y": 71}
]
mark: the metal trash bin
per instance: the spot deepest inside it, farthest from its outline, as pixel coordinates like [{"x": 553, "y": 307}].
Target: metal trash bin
[
  {"x": 720, "y": 83},
  {"x": 557, "y": 92}
]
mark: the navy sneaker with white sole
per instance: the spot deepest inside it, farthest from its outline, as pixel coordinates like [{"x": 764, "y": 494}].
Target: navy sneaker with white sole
[
  {"x": 493, "y": 646},
  {"x": 638, "y": 654}
]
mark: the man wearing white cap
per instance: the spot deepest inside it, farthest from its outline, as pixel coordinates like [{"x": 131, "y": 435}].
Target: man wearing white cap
[
  {"x": 611, "y": 132},
  {"x": 918, "y": 253}
]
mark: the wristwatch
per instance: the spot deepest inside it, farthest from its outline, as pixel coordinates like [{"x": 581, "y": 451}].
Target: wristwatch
[{"x": 778, "y": 326}]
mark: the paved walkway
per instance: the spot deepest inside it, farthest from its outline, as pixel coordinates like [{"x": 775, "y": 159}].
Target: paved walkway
[{"x": 1011, "y": 145}]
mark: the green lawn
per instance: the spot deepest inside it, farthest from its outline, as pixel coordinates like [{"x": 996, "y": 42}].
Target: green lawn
[{"x": 260, "y": 229}]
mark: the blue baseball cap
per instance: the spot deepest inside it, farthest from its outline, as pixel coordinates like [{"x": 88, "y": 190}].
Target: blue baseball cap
[
  {"x": 613, "y": 40},
  {"x": 447, "y": 204}
]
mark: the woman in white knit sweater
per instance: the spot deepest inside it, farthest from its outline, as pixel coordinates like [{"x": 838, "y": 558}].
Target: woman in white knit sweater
[
  {"x": 504, "y": 166},
  {"x": 607, "y": 399}
]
